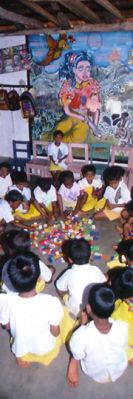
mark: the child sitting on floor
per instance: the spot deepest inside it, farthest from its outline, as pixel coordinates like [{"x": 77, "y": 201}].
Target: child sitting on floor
[
  {"x": 100, "y": 346},
  {"x": 70, "y": 198},
  {"x": 116, "y": 194},
  {"x": 125, "y": 254},
  {"x": 81, "y": 273},
  {"x": 33, "y": 319},
  {"x": 121, "y": 281},
  {"x": 45, "y": 198},
  {"x": 26, "y": 210},
  {"x": 7, "y": 208},
  {"x": 93, "y": 187},
  {"x": 15, "y": 241},
  {"x": 5, "y": 179},
  {"x": 58, "y": 153}
]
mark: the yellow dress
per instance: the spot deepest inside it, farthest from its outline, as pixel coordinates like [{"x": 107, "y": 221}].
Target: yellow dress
[
  {"x": 30, "y": 214},
  {"x": 92, "y": 202},
  {"x": 123, "y": 313}
]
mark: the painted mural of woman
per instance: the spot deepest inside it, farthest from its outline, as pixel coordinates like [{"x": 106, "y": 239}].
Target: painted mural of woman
[{"x": 79, "y": 96}]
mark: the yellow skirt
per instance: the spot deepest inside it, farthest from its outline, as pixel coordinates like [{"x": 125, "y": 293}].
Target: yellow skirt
[
  {"x": 74, "y": 130},
  {"x": 32, "y": 213},
  {"x": 122, "y": 313},
  {"x": 115, "y": 262},
  {"x": 53, "y": 167},
  {"x": 92, "y": 202},
  {"x": 67, "y": 326}
]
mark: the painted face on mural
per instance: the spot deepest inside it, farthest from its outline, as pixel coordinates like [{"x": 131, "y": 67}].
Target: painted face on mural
[{"x": 82, "y": 71}]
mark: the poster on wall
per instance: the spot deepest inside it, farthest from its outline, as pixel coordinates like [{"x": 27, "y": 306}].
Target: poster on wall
[
  {"x": 84, "y": 86},
  {"x": 13, "y": 59}
]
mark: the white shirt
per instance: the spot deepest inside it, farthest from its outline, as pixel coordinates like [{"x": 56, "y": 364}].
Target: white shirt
[
  {"x": 75, "y": 280},
  {"x": 69, "y": 194},
  {"x": 103, "y": 356},
  {"x": 5, "y": 183},
  {"x": 45, "y": 198},
  {"x": 121, "y": 195},
  {"x": 45, "y": 274},
  {"x": 30, "y": 320},
  {"x": 6, "y": 211},
  {"x": 26, "y": 192},
  {"x": 58, "y": 152},
  {"x": 96, "y": 183}
]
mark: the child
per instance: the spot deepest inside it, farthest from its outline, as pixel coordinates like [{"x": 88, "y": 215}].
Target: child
[
  {"x": 125, "y": 254},
  {"x": 5, "y": 179},
  {"x": 116, "y": 194},
  {"x": 122, "y": 285},
  {"x": 45, "y": 198},
  {"x": 75, "y": 279},
  {"x": 58, "y": 153},
  {"x": 100, "y": 346},
  {"x": 33, "y": 318},
  {"x": 92, "y": 186},
  {"x": 7, "y": 208},
  {"x": 26, "y": 210},
  {"x": 15, "y": 241},
  {"x": 126, "y": 228},
  {"x": 70, "y": 198}
]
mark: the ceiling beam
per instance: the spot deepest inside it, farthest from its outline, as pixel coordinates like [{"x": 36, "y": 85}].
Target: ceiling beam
[
  {"x": 40, "y": 10},
  {"x": 80, "y": 9},
  {"x": 14, "y": 17},
  {"x": 120, "y": 26},
  {"x": 110, "y": 7}
]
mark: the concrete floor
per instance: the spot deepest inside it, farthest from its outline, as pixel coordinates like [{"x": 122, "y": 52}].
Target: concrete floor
[{"x": 39, "y": 382}]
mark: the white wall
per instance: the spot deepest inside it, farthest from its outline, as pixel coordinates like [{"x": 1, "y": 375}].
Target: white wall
[{"x": 12, "y": 125}]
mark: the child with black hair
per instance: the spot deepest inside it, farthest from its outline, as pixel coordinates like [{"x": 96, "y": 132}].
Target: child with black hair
[
  {"x": 124, "y": 249},
  {"x": 15, "y": 241},
  {"x": 121, "y": 281},
  {"x": 58, "y": 152},
  {"x": 33, "y": 319},
  {"x": 81, "y": 273},
  {"x": 100, "y": 346},
  {"x": 116, "y": 194},
  {"x": 92, "y": 186},
  {"x": 26, "y": 210},
  {"x": 45, "y": 198},
  {"x": 5, "y": 178},
  {"x": 70, "y": 198},
  {"x": 12, "y": 201}
]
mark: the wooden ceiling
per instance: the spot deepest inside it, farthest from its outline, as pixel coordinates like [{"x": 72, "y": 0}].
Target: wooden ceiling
[{"x": 38, "y": 16}]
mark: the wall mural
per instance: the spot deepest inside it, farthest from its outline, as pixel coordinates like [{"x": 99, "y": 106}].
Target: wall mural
[{"x": 84, "y": 86}]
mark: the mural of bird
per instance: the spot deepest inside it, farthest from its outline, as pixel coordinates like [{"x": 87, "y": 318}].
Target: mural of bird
[{"x": 56, "y": 47}]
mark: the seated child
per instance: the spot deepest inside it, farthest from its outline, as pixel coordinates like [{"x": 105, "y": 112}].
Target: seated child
[
  {"x": 121, "y": 282},
  {"x": 70, "y": 198},
  {"x": 126, "y": 219},
  {"x": 33, "y": 319},
  {"x": 5, "y": 179},
  {"x": 100, "y": 346},
  {"x": 125, "y": 254},
  {"x": 26, "y": 210},
  {"x": 92, "y": 186},
  {"x": 78, "y": 276},
  {"x": 116, "y": 194},
  {"x": 15, "y": 241},
  {"x": 57, "y": 152},
  {"x": 7, "y": 208},
  {"x": 45, "y": 198}
]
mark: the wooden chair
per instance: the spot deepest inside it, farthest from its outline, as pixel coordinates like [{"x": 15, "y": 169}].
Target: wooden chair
[
  {"x": 123, "y": 156},
  {"x": 78, "y": 155},
  {"x": 39, "y": 165},
  {"x": 21, "y": 154},
  {"x": 100, "y": 156}
]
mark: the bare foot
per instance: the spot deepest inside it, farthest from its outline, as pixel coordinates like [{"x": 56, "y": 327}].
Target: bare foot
[
  {"x": 22, "y": 363},
  {"x": 72, "y": 373}
]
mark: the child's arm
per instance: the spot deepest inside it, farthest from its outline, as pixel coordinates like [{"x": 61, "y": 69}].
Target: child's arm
[
  {"x": 22, "y": 225},
  {"x": 60, "y": 203},
  {"x": 112, "y": 206},
  {"x": 72, "y": 372},
  {"x": 55, "y": 330},
  {"x": 54, "y": 208},
  {"x": 41, "y": 208},
  {"x": 79, "y": 204},
  {"x": 126, "y": 231}
]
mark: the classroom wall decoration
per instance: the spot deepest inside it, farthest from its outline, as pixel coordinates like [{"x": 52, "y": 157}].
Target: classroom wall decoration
[
  {"x": 13, "y": 59},
  {"x": 84, "y": 86}
]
